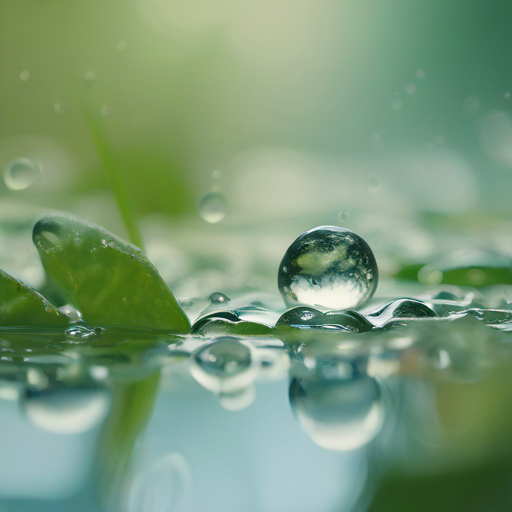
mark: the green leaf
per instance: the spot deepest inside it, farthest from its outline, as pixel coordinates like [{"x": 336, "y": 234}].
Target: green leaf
[
  {"x": 110, "y": 281},
  {"x": 20, "y": 305}
]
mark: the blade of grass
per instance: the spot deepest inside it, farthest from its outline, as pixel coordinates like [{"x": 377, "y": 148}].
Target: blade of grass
[{"x": 112, "y": 171}]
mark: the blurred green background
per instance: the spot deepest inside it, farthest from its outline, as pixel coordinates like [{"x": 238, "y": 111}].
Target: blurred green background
[{"x": 295, "y": 102}]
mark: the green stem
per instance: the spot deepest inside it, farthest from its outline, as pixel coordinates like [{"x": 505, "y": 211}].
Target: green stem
[{"x": 112, "y": 172}]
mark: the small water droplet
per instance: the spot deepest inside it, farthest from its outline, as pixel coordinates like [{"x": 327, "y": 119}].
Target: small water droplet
[
  {"x": 89, "y": 79},
  {"x": 396, "y": 104},
  {"x": 59, "y": 107},
  {"x": 216, "y": 175},
  {"x": 401, "y": 308},
  {"x": 328, "y": 266},
  {"x": 25, "y": 75},
  {"x": 420, "y": 74},
  {"x": 410, "y": 89},
  {"x": 219, "y": 298},
  {"x": 224, "y": 366},
  {"x": 80, "y": 334},
  {"x": 374, "y": 183},
  {"x": 66, "y": 410},
  {"x": 471, "y": 105},
  {"x": 213, "y": 207},
  {"x": 20, "y": 173},
  {"x": 74, "y": 315},
  {"x": 345, "y": 215},
  {"x": 377, "y": 139},
  {"x": 120, "y": 46}
]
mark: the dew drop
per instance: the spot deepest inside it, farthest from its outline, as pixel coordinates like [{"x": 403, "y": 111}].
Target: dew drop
[
  {"x": 330, "y": 267},
  {"x": 89, "y": 79},
  {"x": 20, "y": 173},
  {"x": 345, "y": 215},
  {"x": 396, "y": 104},
  {"x": 213, "y": 207},
  {"x": 66, "y": 410},
  {"x": 218, "y": 298},
  {"x": 410, "y": 89},
  {"x": 25, "y": 75},
  {"x": 374, "y": 183}
]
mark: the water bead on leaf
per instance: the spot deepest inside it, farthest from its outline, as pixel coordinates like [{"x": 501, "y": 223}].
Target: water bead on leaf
[
  {"x": 20, "y": 173},
  {"x": 218, "y": 298},
  {"x": 330, "y": 267}
]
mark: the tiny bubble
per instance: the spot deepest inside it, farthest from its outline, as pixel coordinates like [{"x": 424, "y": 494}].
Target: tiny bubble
[{"x": 345, "y": 215}]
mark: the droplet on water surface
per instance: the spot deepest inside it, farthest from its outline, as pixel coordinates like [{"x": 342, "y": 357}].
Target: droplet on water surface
[
  {"x": 224, "y": 366},
  {"x": 80, "y": 334},
  {"x": 330, "y": 267},
  {"x": 20, "y": 173},
  {"x": 213, "y": 207},
  {"x": 66, "y": 410},
  {"x": 218, "y": 298}
]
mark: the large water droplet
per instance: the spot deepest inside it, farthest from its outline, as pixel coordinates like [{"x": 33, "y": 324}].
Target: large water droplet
[
  {"x": 213, "y": 207},
  {"x": 20, "y": 173},
  {"x": 225, "y": 366},
  {"x": 66, "y": 410},
  {"x": 330, "y": 267},
  {"x": 341, "y": 411},
  {"x": 218, "y": 298}
]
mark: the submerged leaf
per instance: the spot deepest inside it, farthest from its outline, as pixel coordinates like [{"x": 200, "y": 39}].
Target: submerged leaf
[
  {"x": 111, "y": 281},
  {"x": 20, "y": 305}
]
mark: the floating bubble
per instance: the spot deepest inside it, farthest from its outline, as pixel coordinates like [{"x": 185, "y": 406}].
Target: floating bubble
[
  {"x": 396, "y": 104},
  {"x": 106, "y": 110},
  {"x": 66, "y": 410},
  {"x": 471, "y": 105},
  {"x": 213, "y": 207},
  {"x": 345, "y": 215},
  {"x": 420, "y": 74},
  {"x": 338, "y": 413},
  {"x": 410, "y": 89},
  {"x": 330, "y": 267},
  {"x": 374, "y": 183},
  {"x": 218, "y": 298},
  {"x": 20, "y": 173},
  {"x": 224, "y": 366},
  {"x": 25, "y": 75},
  {"x": 89, "y": 79}
]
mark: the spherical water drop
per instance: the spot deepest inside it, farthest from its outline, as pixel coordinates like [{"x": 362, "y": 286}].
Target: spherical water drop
[
  {"x": 89, "y": 79},
  {"x": 218, "y": 298},
  {"x": 66, "y": 410},
  {"x": 345, "y": 215},
  {"x": 20, "y": 173},
  {"x": 374, "y": 182},
  {"x": 213, "y": 207},
  {"x": 225, "y": 366},
  {"x": 328, "y": 266}
]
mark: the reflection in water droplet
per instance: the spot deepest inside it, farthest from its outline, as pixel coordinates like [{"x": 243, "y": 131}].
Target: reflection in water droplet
[
  {"x": 374, "y": 182},
  {"x": 328, "y": 266},
  {"x": 80, "y": 334},
  {"x": 420, "y": 74},
  {"x": 224, "y": 366},
  {"x": 237, "y": 400},
  {"x": 218, "y": 298},
  {"x": 410, "y": 89},
  {"x": 162, "y": 487},
  {"x": 338, "y": 413},
  {"x": 396, "y": 104},
  {"x": 66, "y": 410},
  {"x": 213, "y": 207},
  {"x": 20, "y": 173},
  {"x": 25, "y": 75},
  {"x": 345, "y": 215},
  {"x": 89, "y": 79}
]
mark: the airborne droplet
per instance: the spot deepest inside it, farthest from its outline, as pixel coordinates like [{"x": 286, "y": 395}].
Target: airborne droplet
[
  {"x": 330, "y": 267},
  {"x": 213, "y": 207},
  {"x": 20, "y": 173}
]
